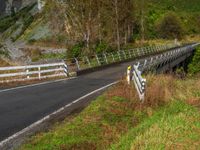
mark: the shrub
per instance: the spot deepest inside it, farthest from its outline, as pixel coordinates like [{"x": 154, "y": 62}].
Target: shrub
[
  {"x": 31, "y": 41},
  {"x": 194, "y": 66},
  {"x": 6, "y": 22},
  {"x": 76, "y": 50},
  {"x": 4, "y": 53},
  {"x": 170, "y": 27},
  {"x": 102, "y": 47},
  {"x": 35, "y": 54}
]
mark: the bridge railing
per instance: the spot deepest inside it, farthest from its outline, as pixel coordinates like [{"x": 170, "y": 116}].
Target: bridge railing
[
  {"x": 86, "y": 62},
  {"x": 167, "y": 57},
  {"x": 31, "y": 72},
  {"x": 155, "y": 62}
]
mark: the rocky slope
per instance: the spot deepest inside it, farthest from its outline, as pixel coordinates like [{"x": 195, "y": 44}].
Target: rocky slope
[{"x": 7, "y": 6}]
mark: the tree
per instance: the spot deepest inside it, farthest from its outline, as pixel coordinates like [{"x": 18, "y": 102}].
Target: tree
[
  {"x": 170, "y": 27},
  {"x": 194, "y": 66},
  {"x": 94, "y": 21}
]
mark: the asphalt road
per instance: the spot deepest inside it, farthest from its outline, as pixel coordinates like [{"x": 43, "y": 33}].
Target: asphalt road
[{"x": 20, "y": 108}]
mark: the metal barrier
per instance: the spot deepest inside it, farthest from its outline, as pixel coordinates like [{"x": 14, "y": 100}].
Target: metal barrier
[
  {"x": 21, "y": 73},
  {"x": 86, "y": 62},
  {"x": 31, "y": 72},
  {"x": 140, "y": 83},
  {"x": 156, "y": 62}
]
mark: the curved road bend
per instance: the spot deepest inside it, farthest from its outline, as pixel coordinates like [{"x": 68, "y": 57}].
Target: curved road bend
[{"x": 20, "y": 108}]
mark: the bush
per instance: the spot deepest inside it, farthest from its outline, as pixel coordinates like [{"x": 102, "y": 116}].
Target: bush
[
  {"x": 170, "y": 27},
  {"x": 102, "y": 47},
  {"x": 76, "y": 50},
  {"x": 6, "y": 22},
  {"x": 194, "y": 66},
  {"x": 31, "y": 41},
  {"x": 35, "y": 54},
  {"x": 4, "y": 53}
]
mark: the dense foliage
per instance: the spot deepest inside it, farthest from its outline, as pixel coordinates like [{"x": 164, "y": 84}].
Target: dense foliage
[
  {"x": 194, "y": 66},
  {"x": 120, "y": 22},
  {"x": 170, "y": 27}
]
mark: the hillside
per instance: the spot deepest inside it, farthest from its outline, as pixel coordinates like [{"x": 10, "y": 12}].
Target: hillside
[
  {"x": 187, "y": 11},
  {"x": 60, "y": 25}
]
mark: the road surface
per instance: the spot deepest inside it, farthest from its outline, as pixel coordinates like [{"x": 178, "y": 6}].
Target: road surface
[{"x": 20, "y": 108}]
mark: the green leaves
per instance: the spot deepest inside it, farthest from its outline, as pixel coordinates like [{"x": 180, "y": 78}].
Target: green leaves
[{"x": 194, "y": 66}]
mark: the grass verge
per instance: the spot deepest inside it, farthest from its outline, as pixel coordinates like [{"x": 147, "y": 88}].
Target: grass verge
[{"x": 117, "y": 120}]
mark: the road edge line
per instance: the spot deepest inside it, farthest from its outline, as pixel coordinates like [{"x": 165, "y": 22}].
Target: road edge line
[{"x": 32, "y": 126}]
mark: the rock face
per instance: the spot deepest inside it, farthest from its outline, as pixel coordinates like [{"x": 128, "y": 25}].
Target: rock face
[{"x": 7, "y": 6}]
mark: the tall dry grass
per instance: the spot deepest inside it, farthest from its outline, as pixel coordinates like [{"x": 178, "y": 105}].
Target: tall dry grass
[{"x": 159, "y": 91}]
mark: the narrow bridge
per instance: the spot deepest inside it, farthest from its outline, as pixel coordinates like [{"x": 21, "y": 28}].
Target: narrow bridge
[{"x": 24, "y": 110}]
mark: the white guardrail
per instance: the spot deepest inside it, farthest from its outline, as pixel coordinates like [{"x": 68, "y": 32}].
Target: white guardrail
[
  {"x": 140, "y": 83},
  {"x": 31, "y": 72}
]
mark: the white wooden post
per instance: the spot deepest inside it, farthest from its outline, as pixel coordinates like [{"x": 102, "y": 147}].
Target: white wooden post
[
  {"x": 27, "y": 74},
  {"x": 39, "y": 73}
]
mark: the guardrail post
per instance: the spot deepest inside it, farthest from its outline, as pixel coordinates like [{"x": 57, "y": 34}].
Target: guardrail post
[
  {"x": 27, "y": 74},
  {"x": 66, "y": 69},
  {"x": 39, "y": 73},
  {"x": 139, "y": 82}
]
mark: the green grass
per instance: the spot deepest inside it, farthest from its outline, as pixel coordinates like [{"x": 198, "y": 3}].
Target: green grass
[
  {"x": 100, "y": 124},
  {"x": 49, "y": 56},
  {"x": 117, "y": 120},
  {"x": 175, "y": 126}
]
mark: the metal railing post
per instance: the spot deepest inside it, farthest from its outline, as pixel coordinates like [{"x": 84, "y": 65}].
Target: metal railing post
[
  {"x": 77, "y": 64},
  {"x": 88, "y": 61},
  {"x": 105, "y": 57},
  {"x": 119, "y": 55},
  {"x": 124, "y": 54},
  {"x": 113, "y": 57},
  {"x": 130, "y": 56},
  {"x": 97, "y": 58}
]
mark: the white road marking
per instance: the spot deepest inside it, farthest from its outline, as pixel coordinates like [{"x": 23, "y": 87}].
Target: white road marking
[
  {"x": 4, "y": 142},
  {"x": 32, "y": 85}
]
